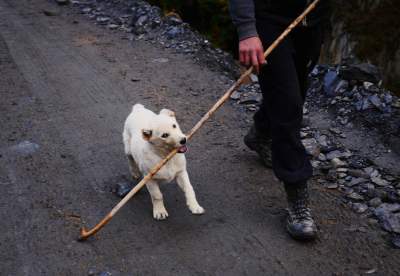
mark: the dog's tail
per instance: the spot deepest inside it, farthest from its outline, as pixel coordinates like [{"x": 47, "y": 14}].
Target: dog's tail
[{"x": 137, "y": 106}]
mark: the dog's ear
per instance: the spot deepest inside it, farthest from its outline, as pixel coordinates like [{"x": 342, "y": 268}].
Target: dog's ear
[
  {"x": 147, "y": 133},
  {"x": 167, "y": 112}
]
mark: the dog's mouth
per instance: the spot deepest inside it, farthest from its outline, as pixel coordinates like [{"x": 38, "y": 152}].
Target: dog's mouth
[{"x": 182, "y": 149}]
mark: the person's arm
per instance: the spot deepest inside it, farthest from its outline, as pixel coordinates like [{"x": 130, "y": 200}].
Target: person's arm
[
  {"x": 250, "y": 47},
  {"x": 243, "y": 17}
]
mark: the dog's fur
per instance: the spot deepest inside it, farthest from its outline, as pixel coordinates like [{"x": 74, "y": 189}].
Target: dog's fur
[{"x": 148, "y": 138}]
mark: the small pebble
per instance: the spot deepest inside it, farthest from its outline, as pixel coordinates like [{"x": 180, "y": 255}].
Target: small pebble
[
  {"x": 375, "y": 202},
  {"x": 396, "y": 241},
  {"x": 360, "y": 207}
]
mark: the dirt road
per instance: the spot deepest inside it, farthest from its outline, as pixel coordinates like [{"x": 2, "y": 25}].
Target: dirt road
[{"x": 66, "y": 87}]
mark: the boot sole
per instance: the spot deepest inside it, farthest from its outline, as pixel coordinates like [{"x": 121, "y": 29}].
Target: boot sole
[{"x": 302, "y": 237}]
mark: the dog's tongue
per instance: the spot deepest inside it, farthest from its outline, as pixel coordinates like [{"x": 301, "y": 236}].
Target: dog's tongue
[{"x": 182, "y": 149}]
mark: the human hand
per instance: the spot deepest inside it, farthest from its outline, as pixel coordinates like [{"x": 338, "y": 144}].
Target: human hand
[{"x": 251, "y": 52}]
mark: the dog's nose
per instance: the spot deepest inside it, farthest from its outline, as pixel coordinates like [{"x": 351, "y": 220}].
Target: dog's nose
[{"x": 183, "y": 141}]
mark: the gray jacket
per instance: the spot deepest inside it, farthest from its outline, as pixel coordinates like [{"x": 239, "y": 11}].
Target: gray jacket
[{"x": 245, "y": 12}]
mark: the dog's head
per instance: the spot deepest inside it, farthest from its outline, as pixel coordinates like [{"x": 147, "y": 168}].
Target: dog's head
[{"x": 165, "y": 132}]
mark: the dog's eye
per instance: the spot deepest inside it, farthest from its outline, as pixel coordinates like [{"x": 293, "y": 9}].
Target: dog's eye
[
  {"x": 174, "y": 126},
  {"x": 165, "y": 135}
]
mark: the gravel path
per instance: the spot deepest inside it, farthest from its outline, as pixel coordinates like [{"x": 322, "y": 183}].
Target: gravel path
[{"x": 66, "y": 87}]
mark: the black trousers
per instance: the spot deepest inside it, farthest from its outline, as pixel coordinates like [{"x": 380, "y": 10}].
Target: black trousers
[{"x": 283, "y": 83}]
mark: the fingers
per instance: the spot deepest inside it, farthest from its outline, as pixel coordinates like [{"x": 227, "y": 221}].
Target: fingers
[
  {"x": 241, "y": 57},
  {"x": 246, "y": 58},
  {"x": 254, "y": 61},
  {"x": 261, "y": 58}
]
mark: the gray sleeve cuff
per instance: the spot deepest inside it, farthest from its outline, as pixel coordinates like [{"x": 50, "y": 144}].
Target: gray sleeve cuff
[{"x": 246, "y": 30}]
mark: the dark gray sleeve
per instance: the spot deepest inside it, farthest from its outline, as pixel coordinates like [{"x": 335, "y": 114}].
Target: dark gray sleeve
[{"x": 243, "y": 17}]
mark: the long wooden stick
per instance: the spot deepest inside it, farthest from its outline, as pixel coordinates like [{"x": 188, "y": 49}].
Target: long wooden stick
[{"x": 85, "y": 233}]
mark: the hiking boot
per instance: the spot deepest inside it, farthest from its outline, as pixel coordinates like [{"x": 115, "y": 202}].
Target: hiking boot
[
  {"x": 300, "y": 223},
  {"x": 260, "y": 144}
]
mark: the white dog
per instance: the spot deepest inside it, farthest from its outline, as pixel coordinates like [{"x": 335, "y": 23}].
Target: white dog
[{"x": 148, "y": 138}]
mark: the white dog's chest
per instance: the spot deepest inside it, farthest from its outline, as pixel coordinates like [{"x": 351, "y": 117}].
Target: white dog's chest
[{"x": 169, "y": 171}]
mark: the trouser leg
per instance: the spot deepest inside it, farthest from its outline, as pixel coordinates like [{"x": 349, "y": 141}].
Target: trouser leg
[{"x": 282, "y": 110}]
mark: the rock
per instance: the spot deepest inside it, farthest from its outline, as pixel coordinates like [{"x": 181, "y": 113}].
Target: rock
[
  {"x": 315, "y": 164},
  {"x": 391, "y": 208},
  {"x": 343, "y": 121},
  {"x": 24, "y": 148},
  {"x": 86, "y": 10},
  {"x": 379, "y": 181},
  {"x": 321, "y": 157},
  {"x": 311, "y": 146},
  {"x": 390, "y": 177},
  {"x": 123, "y": 188},
  {"x": 389, "y": 217},
  {"x": 254, "y": 78},
  {"x": 363, "y": 104},
  {"x": 356, "y": 181},
  {"x": 371, "y": 172},
  {"x": 160, "y": 60},
  {"x": 341, "y": 86},
  {"x": 322, "y": 140},
  {"x": 396, "y": 104},
  {"x": 381, "y": 194},
  {"x": 102, "y": 20},
  {"x": 376, "y": 101},
  {"x": 375, "y": 202},
  {"x": 389, "y": 220},
  {"x": 303, "y": 134},
  {"x": 113, "y": 26},
  {"x": 355, "y": 196},
  {"x": 141, "y": 20},
  {"x": 341, "y": 175},
  {"x": 387, "y": 98},
  {"x": 173, "y": 32},
  {"x": 337, "y": 163},
  {"x": 331, "y": 175},
  {"x": 335, "y": 130},
  {"x": 391, "y": 194},
  {"x": 358, "y": 173},
  {"x": 338, "y": 154},
  {"x": 235, "y": 95},
  {"x": 333, "y": 154},
  {"x": 367, "y": 85},
  {"x": 360, "y": 72},
  {"x": 331, "y": 81},
  {"x": 251, "y": 99},
  {"x": 372, "y": 221},
  {"x": 331, "y": 186},
  {"x": 360, "y": 207},
  {"x": 396, "y": 241}
]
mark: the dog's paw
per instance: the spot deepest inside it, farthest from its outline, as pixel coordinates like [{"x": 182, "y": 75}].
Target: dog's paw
[
  {"x": 196, "y": 209},
  {"x": 160, "y": 213}
]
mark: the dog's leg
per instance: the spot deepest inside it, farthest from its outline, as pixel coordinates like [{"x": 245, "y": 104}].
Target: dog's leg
[
  {"x": 159, "y": 211},
  {"x": 133, "y": 168},
  {"x": 184, "y": 183}
]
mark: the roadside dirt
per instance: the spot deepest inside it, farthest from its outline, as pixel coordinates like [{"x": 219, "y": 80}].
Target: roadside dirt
[{"x": 66, "y": 86}]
